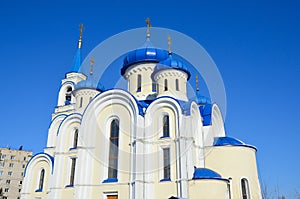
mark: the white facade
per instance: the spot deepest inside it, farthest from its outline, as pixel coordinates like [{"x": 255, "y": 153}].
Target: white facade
[{"x": 148, "y": 142}]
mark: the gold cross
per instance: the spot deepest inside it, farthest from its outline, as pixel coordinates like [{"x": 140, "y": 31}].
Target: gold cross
[
  {"x": 80, "y": 35},
  {"x": 92, "y": 62},
  {"x": 197, "y": 81},
  {"x": 169, "y": 44},
  {"x": 148, "y": 27},
  {"x": 81, "y": 30}
]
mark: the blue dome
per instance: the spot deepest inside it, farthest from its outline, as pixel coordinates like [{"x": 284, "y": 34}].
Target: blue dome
[
  {"x": 148, "y": 54},
  {"x": 171, "y": 63},
  {"x": 200, "y": 99},
  {"x": 204, "y": 173},
  {"x": 89, "y": 83}
]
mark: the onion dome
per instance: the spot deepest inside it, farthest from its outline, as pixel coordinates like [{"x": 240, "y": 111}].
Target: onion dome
[
  {"x": 171, "y": 63},
  {"x": 147, "y": 53},
  {"x": 204, "y": 173},
  {"x": 89, "y": 83},
  {"x": 200, "y": 99}
]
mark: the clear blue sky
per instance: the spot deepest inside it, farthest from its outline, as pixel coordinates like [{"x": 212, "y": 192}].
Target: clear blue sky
[{"x": 255, "y": 45}]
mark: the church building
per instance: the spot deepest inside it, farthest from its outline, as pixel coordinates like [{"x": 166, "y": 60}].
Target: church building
[{"x": 149, "y": 141}]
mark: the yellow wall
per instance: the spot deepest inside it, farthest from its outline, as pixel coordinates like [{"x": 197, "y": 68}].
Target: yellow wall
[
  {"x": 207, "y": 189},
  {"x": 235, "y": 162}
]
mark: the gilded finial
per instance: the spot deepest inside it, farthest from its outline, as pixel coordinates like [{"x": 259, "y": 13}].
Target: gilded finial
[
  {"x": 169, "y": 44},
  {"x": 197, "y": 81},
  {"x": 148, "y": 27},
  {"x": 92, "y": 62},
  {"x": 80, "y": 35}
]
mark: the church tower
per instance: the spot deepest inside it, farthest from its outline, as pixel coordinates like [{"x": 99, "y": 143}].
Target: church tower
[
  {"x": 66, "y": 100},
  {"x": 149, "y": 141}
]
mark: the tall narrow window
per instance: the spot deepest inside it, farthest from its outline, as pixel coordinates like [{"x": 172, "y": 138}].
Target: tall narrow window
[
  {"x": 177, "y": 84},
  {"x": 41, "y": 182},
  {"x": 166, "y": 155},
  {"x": 245, "y": 189},
  {"x": 139, "y": 83},
  {"x": 80, "y": 103},
  {"x": 166, "y": 84},
  {"x": 153, "y": 86},
  {"x": 113, "y": 149},
  {"x": 166, "y": 126},
  {"x": 75, "y": 139},
  {"x": 72, "y": 174}
]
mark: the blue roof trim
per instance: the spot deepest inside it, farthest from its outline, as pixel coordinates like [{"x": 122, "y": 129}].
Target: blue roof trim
[
  {"x": 68, "y": 82},
  {"x": 204, "y": 173},
  {"x": 165, "y": 180},
  {"x": 65, "y": 119},
  {"x": 41, "y": 153},
  {"x": 206, "y": 112},
  {"x": 76, "y": 61},
  {"x": 109, "y": 180},
  {"x": 56, "y": 117},
  {"x": 229, "y": 141}
]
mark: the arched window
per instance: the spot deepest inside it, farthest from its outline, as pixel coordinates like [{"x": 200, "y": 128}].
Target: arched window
[
  {"x": 166, "y": 84},
  {"x": 166, "y": 126},
  {"x": 139, "y": 83},
  {"x": 245, "y": 188},
  {"x": 41, "y": 182},
  {"x": 75, "y": 139},
  {"x": 113, "y": 149},
  {"x": 68, "y": 96},
  {"x": 177, "y": 84}
]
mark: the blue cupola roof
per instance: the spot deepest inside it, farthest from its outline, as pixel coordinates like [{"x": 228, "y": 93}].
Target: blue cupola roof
[
  {"x": 171, "y": 63},
  {"x": 200, "y": 99},
  {"x": 147, "y": 53},
  {"x": 204, "y": 173},
  {"x": 89, "y": 83}
]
